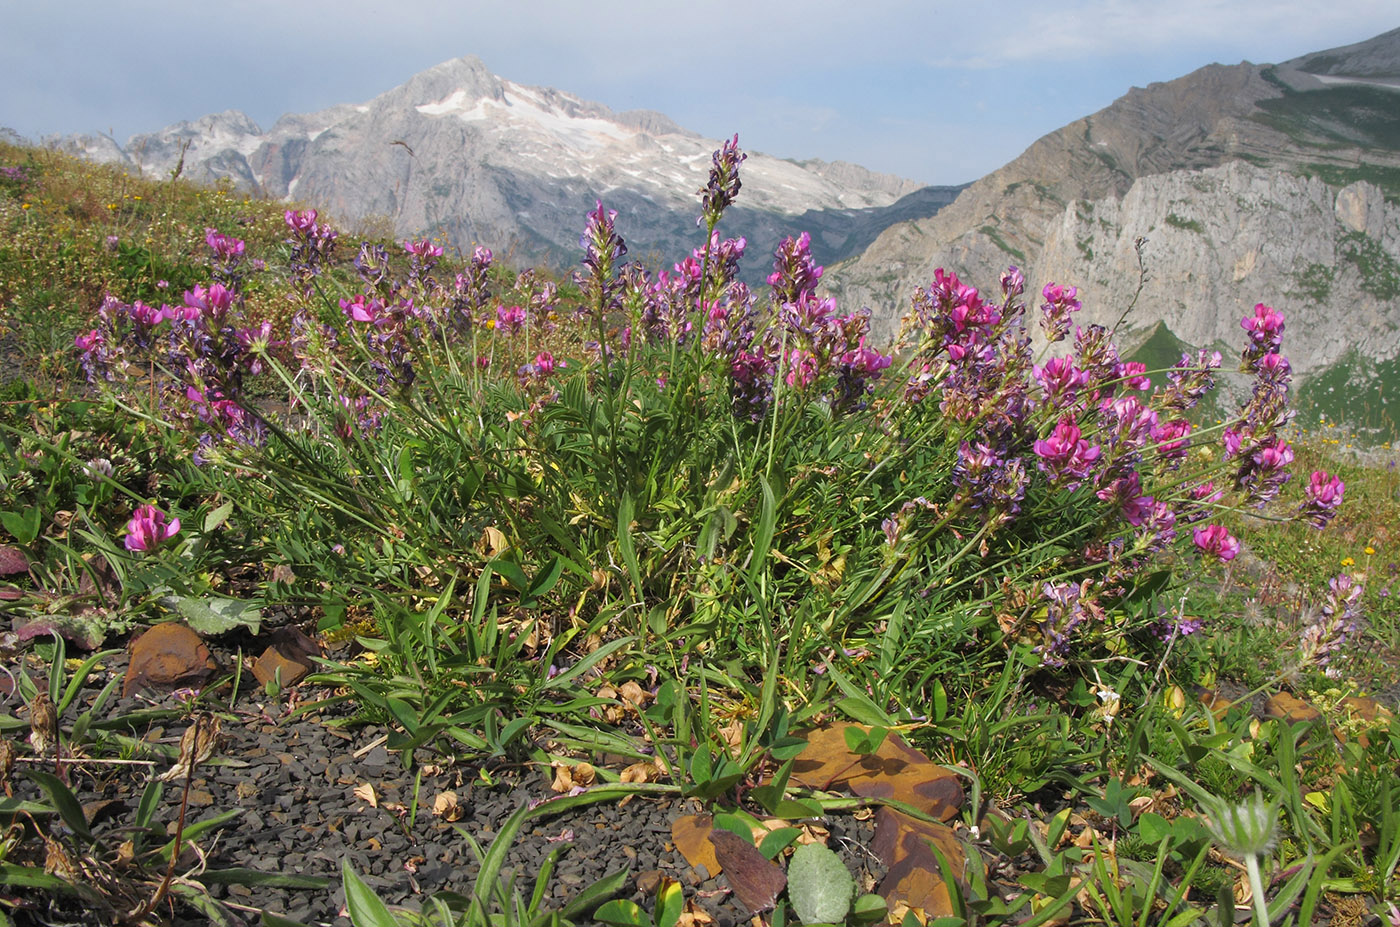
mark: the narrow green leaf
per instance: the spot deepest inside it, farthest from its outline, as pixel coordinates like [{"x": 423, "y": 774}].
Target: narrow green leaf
[
  {"x": 64, "y": 801},
  {"x": 763, "y": 533},
  {"x": 242, "y": 876},
  {"x": 366, "y": 908},
  {"x": 625, "y": 548}
]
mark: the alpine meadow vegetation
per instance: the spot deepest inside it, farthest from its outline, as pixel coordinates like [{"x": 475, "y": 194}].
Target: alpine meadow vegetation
[{"x": 662, "y": 513}]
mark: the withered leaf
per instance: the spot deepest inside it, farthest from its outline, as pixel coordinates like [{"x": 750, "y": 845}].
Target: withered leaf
[
  {"x": 446, "y": 807},
  {"x": 755, "y": 880},
  {"x": 365, "y": 793},
  {"x": 1290, "y": 708},
  {"x": 913, "y": 876},
  {"x": 895, "y": 771},
  {"x": 691, "y": 834}
]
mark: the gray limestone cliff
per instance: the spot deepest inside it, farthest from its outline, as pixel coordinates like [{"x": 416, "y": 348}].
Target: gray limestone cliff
[
  {"x": 1220, "y": 240},
  {"x": 1333, "y": 117}
]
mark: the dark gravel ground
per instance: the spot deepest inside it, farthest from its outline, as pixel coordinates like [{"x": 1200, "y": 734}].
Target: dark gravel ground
[{"x": 293, "y": 780}]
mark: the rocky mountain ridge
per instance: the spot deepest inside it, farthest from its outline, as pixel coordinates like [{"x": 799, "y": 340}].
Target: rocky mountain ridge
[
  {"x": 1311, "y": 129},
  {"x": 459, "y": 152}
]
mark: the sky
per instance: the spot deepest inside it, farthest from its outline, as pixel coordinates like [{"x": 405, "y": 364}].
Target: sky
[{"x": 936, "y": 91}]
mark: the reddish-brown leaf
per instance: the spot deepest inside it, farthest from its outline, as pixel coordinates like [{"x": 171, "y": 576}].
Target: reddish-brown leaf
[
  {"x": 12, "y": 561},
  {"x": 755, "y": 879}
]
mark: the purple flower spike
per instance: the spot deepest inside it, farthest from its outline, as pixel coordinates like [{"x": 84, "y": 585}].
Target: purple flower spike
[
  {"x": 724, "y": 183},
  {"x": 795, "y": 274},
  {"x": 1059, "y": 304},
  {"x": 1265, "y": 331},
  {"x": 1216, "y": 541},
  {"x": 148, "y": 529}
]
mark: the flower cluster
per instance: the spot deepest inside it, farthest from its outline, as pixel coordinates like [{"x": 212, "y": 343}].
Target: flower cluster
[{"x": 313, "y": 246}]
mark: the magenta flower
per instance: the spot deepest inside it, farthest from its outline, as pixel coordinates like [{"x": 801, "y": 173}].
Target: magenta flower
[
  {"x": 510, "y": 318},
  {"x": 1266, "y": 328},
  {"x": 423, "y": 249},
  {"x": 1060, "y": 380},
  {"x": 225, "y": 247},
  {"x": 212, "y": 302},
  {"x": 363, "y": 308},
  {"x": 90, "y": 341},
  {"x": 1216, "y": 541},
  {"x": 1125, "y": 494},
  {"x": 1134, "y": 375},
  {"x": 1172, "y": 439},
  {"x": 1322, "y": 498},
  {"x": 1065, "y": 457},
  {"x": 148, "y": 529},
  {"x": 302, "y": 222}
]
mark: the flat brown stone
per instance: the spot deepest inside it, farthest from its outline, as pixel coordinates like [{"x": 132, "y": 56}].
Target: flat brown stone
[
  {"x": 1285, "y": 706},
  {"x": 167, "y": 657},
  {"x": 276, "y": 666}
]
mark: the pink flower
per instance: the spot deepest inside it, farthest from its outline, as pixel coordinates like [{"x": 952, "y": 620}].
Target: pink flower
[
  {"x": 1065, "y": 456},
  {"x": 802, "y": 368},
  {"x": 303, "y": 221},
  {"x": 212, "y": 302},
  {"x": 1215, "y": 540},
  {"x": 225, "y": 247},
  {"x": 511, "y": 318},
  {"x": 86, "y": 343},
  {"x": 362, "y": 308},
  {"x": 1322, "y": 497},
  {"x": 423, "y": 249},
  {"x": 148, "y": 529},
  {"x": 1266, "y": 328}
]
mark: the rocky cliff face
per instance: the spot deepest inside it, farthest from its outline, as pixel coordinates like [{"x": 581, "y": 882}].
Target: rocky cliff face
[
  {"x": 1333, "y": 116},
  {"x": 459, "y": 152},
  {"x": 1222, "y": 239}
]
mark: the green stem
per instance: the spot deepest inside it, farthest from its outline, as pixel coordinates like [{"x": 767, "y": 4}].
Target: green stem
[{"x": 1256, "y": 888}]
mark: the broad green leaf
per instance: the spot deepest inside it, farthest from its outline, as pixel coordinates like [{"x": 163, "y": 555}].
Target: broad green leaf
[
  {"x": 216, "y": 615},
  {"x": 215, "y": 519},
  {"x": 820, "y": 886}
]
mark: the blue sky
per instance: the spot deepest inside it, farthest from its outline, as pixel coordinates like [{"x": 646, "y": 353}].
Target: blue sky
[{"x": 938, "y": 91}]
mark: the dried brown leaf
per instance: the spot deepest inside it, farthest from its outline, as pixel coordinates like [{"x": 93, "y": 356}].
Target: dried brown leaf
[
  {"x": 691, "y": 835},
  {"x": 365, "y": 793},
  {"x": 446, "y": 807},
  {"x": 895, "y": 771}
]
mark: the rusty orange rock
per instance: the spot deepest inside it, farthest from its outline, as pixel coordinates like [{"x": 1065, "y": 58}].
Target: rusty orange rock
[{"x": 168, "y": 656}]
